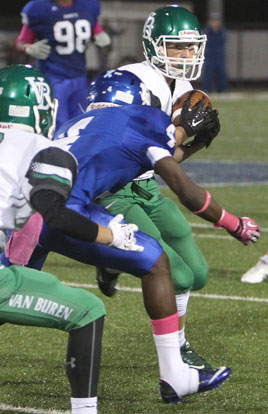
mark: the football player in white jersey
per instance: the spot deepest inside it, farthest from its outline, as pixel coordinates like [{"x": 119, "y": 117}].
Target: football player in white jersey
[
  {"x": 34, "y": 171},
  {"x": 174, "y": 50}
]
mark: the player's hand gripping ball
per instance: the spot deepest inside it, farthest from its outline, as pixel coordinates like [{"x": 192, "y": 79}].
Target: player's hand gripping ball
[
  {"x": 194, "y": 112},
  {"x": 192, "y": 98}
]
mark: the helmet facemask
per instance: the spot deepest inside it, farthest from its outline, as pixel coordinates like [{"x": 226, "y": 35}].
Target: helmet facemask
[
  {"x": 45, "y": 120},
  {"x": 179, "y": 68}
]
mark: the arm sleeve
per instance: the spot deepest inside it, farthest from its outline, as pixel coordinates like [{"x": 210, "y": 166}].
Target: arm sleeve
[
  {"x": 51, "y": 205},
  {"x": 26, "y": 36},
  {"x": 52, "y": 169},
  {"x": 97, "y": 29}
]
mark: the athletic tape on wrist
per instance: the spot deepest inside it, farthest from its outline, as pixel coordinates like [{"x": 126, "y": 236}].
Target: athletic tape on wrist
[
  {"x": 205, "y": 206},
  {"x": 227, "y": 221}
]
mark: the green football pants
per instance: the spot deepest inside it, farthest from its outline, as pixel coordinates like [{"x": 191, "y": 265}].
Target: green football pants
[
  {"x": 34, "y": 298},
  {"x": 142, "y": 203}
]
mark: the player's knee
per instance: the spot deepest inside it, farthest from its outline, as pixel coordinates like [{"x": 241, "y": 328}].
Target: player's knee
[
  {"x": 200, "y": 277},
  {"x": 162, "y": 265},
  {"x": 184, "y": 281},
  {"x": 91, "y": 307},
  {"x": 98, "y": 304}
]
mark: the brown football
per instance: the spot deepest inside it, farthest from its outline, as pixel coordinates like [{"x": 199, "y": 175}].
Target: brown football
[{"x": 195, "y": 96}]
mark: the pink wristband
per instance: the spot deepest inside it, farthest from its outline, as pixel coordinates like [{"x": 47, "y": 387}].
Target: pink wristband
[
  {"x": 97, "y": 29},
  {"x": 205, "y": 206},
  {"x": 227, "y": 221}
]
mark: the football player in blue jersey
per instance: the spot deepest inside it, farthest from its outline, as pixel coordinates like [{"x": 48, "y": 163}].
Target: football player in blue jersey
[
  {"x": 174, "y": 48},
  {"x": 57, "y": 33},
  {"x": 113, "y": 143},
  {"x": 35, "y": 171}
]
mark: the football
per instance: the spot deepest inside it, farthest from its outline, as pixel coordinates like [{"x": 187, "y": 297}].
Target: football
[{"x": 195, "y": 96}]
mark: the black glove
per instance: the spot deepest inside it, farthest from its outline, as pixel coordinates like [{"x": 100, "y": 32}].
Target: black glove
[
  {"x": 196, "y": 119},
  {"x": 210, "y": 130}
]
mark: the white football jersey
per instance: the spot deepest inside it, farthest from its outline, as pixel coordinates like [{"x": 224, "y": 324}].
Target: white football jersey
[
  {"x": 157, "y": 84},
  {"x": 29, "y": 163},
  {"x": 17, "y": 148}
]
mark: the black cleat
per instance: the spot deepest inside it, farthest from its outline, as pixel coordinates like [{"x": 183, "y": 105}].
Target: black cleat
[
  {"x": 167, "y": 393},
  {"x": 107, "y": 280}
]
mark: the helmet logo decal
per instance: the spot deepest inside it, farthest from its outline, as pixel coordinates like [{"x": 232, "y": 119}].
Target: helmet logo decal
[
  {"x": 124, "y": 97},
  {"x": 42, "y": 92},
  {"x": 109, "y": 73},
  {"x": 148, "y": 27},
  {"x": 188, "y": 33}
]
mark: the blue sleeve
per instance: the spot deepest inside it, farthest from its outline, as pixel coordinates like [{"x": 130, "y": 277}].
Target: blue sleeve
[
  {"x": 151, "y": 127},
  {"x": 31, "y": 14},
  {"x": 93, "y": 7}
]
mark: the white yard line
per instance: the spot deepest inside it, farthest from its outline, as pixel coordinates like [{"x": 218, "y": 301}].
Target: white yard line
[
  {"x": 197, "y": 295},
  {"x": 28, "y": 410},
  {"x": 210, "y": 226}
]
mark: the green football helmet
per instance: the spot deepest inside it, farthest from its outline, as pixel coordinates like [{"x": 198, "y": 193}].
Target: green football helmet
[
  {"x": 170, "y": 25},
  {"x": 26, "y": 100}
]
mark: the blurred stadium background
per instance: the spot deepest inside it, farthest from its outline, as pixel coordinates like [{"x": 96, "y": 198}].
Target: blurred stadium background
[{"x": 246, "y": 22}]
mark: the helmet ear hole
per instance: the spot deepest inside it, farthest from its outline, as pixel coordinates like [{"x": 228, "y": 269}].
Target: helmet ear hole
[{"x": 28, "y": 90}]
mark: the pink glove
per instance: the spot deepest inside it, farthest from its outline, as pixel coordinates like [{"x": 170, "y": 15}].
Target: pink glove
[
  {"x": 246, "y": 231},
  {"x": 243, "y": 229}
]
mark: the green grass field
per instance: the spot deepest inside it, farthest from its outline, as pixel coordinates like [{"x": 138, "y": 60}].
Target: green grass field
[{"x": 229, "y": 328}]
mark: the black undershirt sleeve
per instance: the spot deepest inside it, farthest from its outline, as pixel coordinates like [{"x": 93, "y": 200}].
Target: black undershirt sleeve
[{"x": 51, "y": 205}]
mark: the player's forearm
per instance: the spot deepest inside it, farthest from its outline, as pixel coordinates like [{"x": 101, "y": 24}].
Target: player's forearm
[
  {"x": 26, "y": 37},
  {"x": 180, "y": 135},
  {"x": 201, "y": 203},
  {"x": 190, "y": 195},
  {"x": 183, "y": 152},
  {"x": 105, "y": 235},
  {"x": 58, "y": 217},
  {"x": 195, "y": 199}
]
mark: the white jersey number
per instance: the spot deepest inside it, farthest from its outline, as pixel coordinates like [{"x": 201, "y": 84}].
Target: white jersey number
[
  {"x": 73, "y": 36},
  {"x": 66, "y": 139}
]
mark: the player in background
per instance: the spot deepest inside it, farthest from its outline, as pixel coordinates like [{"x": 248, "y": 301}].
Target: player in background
[
  {"x": 174, "y": 50},
  {"x": 34, "y": 172},
  {"x": 113, "y": 145},
  {"x": 57, "y": 33},
  {"x": 257, "y": 273}
]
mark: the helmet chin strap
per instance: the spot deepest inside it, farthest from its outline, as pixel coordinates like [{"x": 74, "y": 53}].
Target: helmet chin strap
[
  {"x": 54, "y": 114},
  {"x": 37, "y": 120}
]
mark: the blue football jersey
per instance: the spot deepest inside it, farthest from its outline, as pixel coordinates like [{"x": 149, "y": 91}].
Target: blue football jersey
[
  {"x": 115, "y": 145},
  {"x": 68, "y": 29}
]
